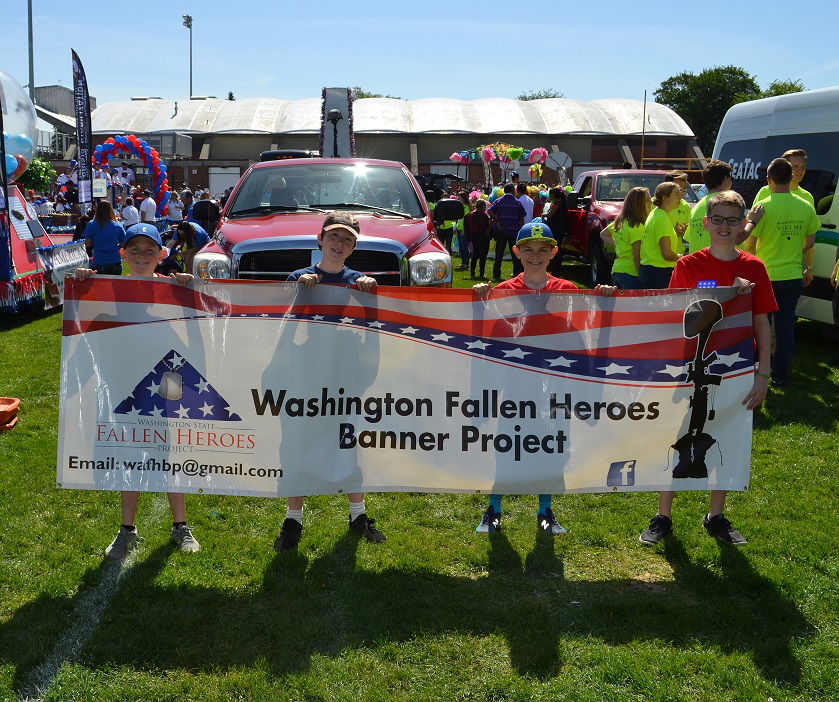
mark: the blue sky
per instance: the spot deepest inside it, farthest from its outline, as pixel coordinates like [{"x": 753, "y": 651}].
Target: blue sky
[{"x": 431, "y": 49}]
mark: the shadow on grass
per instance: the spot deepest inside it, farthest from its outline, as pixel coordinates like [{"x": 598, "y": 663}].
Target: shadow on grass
[
  {"x": 327, "y": 606},
  {"x": 27, "y": 316}
]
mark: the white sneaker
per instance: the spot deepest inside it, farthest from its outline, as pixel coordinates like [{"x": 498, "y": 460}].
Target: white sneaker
[
  {"x": 126, "y": 540},
  {"x": 183, "y": 538}
]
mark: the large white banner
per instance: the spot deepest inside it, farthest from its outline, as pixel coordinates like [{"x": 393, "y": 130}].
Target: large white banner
[{"x": 269, "y": 389}]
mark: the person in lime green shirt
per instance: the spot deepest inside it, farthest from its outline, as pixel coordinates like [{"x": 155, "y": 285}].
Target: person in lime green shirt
[
  {"x": 717, "y": 178},
  {"x": 660, "y": 245},
  {"x": 625, "y": 234},
  {"x": 780, "y": 231},
  {"x": 798, "y": 161},
  {"x": 679, "y": 215}
]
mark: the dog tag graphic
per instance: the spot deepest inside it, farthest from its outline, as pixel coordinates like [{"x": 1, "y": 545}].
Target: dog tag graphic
[{"x": 171, "y": 386}]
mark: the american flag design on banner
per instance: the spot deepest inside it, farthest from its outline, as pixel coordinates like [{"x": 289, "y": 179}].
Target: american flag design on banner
[
  {"x": 628, "y": 339},
  {"x": 176, "y": 390}
]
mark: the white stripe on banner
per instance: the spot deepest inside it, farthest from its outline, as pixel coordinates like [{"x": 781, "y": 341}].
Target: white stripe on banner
[{"x": 311, "y": 401}]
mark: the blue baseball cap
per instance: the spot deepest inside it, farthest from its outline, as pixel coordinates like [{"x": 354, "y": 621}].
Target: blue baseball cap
[
  {"x": 535, "y": 231},
  {"x": 142, "y": 229}
]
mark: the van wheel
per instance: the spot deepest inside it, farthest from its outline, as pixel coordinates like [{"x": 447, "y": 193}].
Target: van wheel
[{"x": 600, "y": 269}]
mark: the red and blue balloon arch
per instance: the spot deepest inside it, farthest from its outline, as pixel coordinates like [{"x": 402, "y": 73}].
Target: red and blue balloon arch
[{"x": 140, "y": 148}]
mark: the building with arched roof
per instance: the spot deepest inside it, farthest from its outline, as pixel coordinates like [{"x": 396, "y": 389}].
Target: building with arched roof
[{"x": 203, "y": 137}]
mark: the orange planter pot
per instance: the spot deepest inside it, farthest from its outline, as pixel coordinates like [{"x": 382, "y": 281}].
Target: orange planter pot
[{"x": 8, "y": 409}]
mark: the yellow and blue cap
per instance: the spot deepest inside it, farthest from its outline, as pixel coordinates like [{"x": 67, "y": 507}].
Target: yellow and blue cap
[{"x": 535, "y": 231}]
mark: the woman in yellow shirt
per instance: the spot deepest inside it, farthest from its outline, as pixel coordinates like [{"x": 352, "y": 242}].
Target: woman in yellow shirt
[
  {"x": 626, "y": 233},
  {"x": 661, "y": 247}
]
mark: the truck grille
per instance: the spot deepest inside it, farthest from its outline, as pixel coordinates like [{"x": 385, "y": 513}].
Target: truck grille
[{"x": 277, "y": 264}]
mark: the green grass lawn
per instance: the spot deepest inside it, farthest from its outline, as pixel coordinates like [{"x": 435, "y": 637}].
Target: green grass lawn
[{"x": 436, "y": 612}]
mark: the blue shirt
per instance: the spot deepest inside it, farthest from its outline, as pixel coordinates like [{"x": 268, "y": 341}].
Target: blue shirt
[
  {"x": 106, "y": 241},
  {"x": 201, "y": 236},
  {"x": 509, "y": 212},
  {"x": 345, "y": 277}
]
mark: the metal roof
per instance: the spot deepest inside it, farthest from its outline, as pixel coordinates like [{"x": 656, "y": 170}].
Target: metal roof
[{"x": 612, "y": 117}]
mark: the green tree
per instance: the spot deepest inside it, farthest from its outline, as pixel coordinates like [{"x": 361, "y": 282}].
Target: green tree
[
  {"x": 360, "y": 93},
  {"x": 782, "y": 87},
  {"x": 540, "y": 94},
  {"x": 39, "y": 176},
  {"x": 230, "y": 95},
  {"x": 702, "y": 99}
]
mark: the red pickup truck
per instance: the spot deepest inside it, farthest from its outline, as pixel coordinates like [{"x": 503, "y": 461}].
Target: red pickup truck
[
  {"x": 595, "y": 200},
  {"x": 269, "y": 226}
]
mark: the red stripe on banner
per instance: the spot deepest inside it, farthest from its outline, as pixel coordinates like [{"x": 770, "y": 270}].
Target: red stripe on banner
[
  {"x": 76, "y": 326},
  {"x": 125, "y": 289}
]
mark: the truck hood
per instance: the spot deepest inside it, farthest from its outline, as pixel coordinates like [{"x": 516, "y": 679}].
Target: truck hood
[{"x": 408, "y": 232}]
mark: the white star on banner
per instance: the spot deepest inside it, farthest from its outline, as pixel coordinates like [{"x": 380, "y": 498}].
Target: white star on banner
[
  {"x": 442, "y": 336},
  {"x": 346, "y": 320},
  {"x": 202, "y": 386},
  {"x": 615, "y": 369},
  {"x": 207, "y": 409},
  {"x": 561, "y": 361},
  {"x": 288, "y": 315},
  {"x": 182, "y": 412},
  {"x": 516, "y": 353},
  {"x": 157, "y": 412},
  {"x": 243, "y": 315},
  {"x": 263, "y": 315},
  {"x": 728, "y": 360},
  {"x": 153, "y": 387},
  {"x": 375, "y": 325},
  {"x": 675, "y": 371},
  {"x": 317, "y": 317},
  {"x": 409, "y": 330},
  {"x": 177, "y": 362},
  {"x": 477, "y": 345}
]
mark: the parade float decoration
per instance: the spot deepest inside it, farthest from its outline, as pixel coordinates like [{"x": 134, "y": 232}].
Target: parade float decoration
[
  {"x": 507, "y": 155},
  {"x": 27, "y": 252},
  {"x": 130, "y": 144}
]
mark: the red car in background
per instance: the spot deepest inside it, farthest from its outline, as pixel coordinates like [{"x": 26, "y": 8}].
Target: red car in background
[
  {"x": 595, "y": 200},
  {"x": 269, "y": 226}
]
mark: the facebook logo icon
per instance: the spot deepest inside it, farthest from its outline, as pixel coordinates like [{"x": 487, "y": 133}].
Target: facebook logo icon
[{"x": 621, "y": 473}]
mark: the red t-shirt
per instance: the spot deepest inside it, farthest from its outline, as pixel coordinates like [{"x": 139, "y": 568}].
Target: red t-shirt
[
  {"x": 554, "y": 284},
  {"x": 702, "y": 265}
]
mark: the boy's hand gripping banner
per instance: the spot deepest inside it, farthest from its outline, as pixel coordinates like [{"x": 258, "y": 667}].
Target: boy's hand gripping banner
[{"x": 269, "y": 389}]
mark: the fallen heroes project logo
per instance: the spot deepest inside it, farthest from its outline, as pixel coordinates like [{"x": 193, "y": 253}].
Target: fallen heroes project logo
[{"x": 174, "y": 408}]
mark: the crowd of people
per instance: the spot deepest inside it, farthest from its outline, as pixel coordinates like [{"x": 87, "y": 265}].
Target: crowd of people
[{"x": 659, "y": 243}]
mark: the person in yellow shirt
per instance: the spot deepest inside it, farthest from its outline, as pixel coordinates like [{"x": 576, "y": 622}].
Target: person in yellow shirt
[
  {"x": 779, "y": 236},
  {"x": 661, "y": 246},
  {"x": 679, "y": 215},
  {"x": 625, "y": 234},
  {"x": 798, "y": 161},
  {"x": 717, "y": 178}
]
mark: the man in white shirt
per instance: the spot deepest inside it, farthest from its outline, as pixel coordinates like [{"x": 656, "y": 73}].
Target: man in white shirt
[
  {"x": 148, "y": 208},
  {"x": 526, "y": 202},
  {"x": 130, "y": 215}
]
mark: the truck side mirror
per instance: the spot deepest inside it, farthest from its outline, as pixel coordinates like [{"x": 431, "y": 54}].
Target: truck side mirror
[
  {"x": 585, "y": 202},
  {"x": 448, "y": 210},
  {"x": 571, "y": 200}
]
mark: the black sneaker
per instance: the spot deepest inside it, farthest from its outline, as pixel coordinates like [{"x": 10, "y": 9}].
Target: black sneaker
[
  {"x": 363, "y": 526},
  {"x": 490, "y": 522},
  {"x": 289, "y": 535},
  {"x": 547, "y": 523},
  {"x": 720, "y": 528},
  {"x": 660, "y": 526}
]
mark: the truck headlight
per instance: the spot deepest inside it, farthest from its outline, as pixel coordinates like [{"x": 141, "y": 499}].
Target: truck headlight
[
  {"x": 431, "y": 268},
  {"x": 211, "y": 265}
]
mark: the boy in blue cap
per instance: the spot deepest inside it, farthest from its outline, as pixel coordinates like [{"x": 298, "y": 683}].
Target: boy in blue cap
[
  {"x": 535, "y": 247},
  {"x": 142, "y": 250}
]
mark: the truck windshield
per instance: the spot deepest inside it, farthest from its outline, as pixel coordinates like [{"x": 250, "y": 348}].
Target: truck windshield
[
  {"x": 327, "y": 186},
  {"x": 614, "y": 187}
]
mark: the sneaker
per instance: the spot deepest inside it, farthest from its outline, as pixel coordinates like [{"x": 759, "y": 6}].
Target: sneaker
[
  {"x": 660, "y": 526},
  {"x": 182, "y": 537},
  {"x": 490, "y": 521},
  {"x": 363, "y": 526},
  {"x": 289, "y": 535},
  {"x": 547, "y": 523},
  {"x": 720, "y": 528},
  {"x": 125, "y": 541}
]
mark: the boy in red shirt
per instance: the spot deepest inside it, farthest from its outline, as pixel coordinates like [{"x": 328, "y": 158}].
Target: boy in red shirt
[
  {"x": 535, "y": 247},
  {"x": 726, "y": 265}
]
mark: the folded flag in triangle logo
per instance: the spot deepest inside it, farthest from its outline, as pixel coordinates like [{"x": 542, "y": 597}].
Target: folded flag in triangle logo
[{"x": 176, "y": 390}]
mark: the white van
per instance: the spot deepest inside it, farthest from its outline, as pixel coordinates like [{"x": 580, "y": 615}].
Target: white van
[{"x": 753, "y": 133}]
